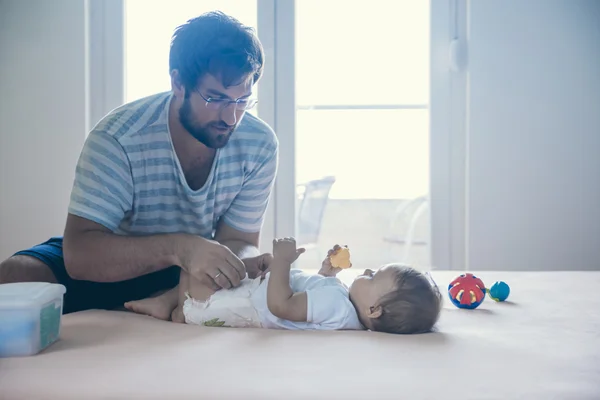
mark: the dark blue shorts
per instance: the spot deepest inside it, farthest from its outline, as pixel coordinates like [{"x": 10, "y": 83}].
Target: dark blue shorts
[{"x": 85, "y": 295}]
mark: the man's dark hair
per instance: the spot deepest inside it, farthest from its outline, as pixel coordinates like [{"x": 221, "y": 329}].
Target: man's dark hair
[
  {"x": 219, "y": 45},
  {"x": 412, "y": 307}
]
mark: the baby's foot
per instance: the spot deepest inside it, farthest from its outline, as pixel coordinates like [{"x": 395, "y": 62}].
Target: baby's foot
[
  {"x": 153, "y": 306},
  {"x": 177, "y": 315}
]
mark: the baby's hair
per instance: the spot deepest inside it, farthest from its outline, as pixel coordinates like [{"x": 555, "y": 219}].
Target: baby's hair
[{"x": 412, "y": 307}]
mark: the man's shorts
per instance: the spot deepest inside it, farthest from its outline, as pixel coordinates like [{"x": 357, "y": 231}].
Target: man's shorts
[{"x": 85, "y": 295}]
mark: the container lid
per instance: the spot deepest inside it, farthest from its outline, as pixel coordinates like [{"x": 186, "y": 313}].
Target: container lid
[{"x": 27, "y": 294}]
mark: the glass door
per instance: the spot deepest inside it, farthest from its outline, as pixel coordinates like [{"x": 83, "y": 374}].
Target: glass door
[{"x": 362, "y": 130}]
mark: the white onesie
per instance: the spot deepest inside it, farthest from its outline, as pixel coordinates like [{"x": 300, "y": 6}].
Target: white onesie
[{"x": 328, "y": 305}]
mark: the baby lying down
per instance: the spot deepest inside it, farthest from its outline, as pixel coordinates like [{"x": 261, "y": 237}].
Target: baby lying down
[{"x": 394, "y": 299}]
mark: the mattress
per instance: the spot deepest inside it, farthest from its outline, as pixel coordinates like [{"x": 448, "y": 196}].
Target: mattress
[{"x": 541, "y": 344}]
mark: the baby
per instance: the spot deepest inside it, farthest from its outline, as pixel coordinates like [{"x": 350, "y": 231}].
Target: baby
[{"x": 394, "y": 299}]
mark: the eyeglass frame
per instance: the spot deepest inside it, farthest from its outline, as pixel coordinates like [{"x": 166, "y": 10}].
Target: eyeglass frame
[{"x": 224, "y": 103}]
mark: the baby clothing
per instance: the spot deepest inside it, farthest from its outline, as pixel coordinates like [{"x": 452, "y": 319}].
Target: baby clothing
[
  {"x": 227, "y": 307},
  {"x": 328, "y": 305}
]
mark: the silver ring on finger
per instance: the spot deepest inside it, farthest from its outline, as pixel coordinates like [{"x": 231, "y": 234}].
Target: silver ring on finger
[{"x": 217, "y": 275}]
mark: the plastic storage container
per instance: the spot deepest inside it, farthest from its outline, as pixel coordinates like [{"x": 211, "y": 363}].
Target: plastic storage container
[{"x": 30, "y": 317}]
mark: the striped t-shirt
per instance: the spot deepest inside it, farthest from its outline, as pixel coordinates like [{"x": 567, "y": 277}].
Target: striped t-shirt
[{"x": 129, "y": 179}]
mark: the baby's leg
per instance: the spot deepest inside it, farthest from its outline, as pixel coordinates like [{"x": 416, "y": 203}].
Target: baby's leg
[
  {"x": 193, "y": 288},
  {"x": 158, "y": 307}
]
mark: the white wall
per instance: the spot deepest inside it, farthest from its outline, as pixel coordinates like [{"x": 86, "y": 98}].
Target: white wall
[
  {"x": 42, "y": 116},
  {"x": 534, "y": 134}
]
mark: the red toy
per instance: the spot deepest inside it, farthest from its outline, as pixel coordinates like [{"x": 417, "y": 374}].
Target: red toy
[{"x": 466, "y": 291}]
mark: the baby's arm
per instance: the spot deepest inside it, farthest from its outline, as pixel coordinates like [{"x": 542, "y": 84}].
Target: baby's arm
[{"x": 281, "y": 300}]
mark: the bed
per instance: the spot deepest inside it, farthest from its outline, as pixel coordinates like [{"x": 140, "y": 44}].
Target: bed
[{"x": 542, "y": 344}]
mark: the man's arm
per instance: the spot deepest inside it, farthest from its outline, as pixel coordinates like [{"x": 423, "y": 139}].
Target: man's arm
[
  {"x": 239, "y": 228},
  {"x": 92, "y": 252},
  {"x": 102, "y": 195},
  {"x": 242, "y": 244},
  {"x": 245, "y": 246},
  {"x": 281, "y": 300}
]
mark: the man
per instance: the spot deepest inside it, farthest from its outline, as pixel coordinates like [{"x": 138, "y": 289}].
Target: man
[{"x": 175, "y": 180}]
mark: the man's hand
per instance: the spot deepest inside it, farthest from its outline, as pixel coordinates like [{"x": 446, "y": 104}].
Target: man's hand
[
  {"x": 258, "y": 266},
  {"x": 212, "y": 263},
  {"x": 326, "y": 268},
  {"x": 285, "y": 250}
]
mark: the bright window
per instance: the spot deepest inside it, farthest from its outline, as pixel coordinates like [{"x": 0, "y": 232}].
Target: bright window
[
  {"x": 362, "y": 95},
  {"x": 362, "y": 129}
]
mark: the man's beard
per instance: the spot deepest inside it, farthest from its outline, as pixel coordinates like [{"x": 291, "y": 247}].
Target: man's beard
[{"x": 202, "y": 133}]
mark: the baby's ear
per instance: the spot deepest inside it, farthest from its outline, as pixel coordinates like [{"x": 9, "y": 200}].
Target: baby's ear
[{"x": 375, "y": 312}]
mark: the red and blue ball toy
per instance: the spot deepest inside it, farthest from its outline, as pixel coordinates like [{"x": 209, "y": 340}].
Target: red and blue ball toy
[{"x": 468, "y": 291}]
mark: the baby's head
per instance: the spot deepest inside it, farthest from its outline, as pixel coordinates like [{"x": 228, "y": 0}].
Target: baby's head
[{"x": 396, "y": 299}]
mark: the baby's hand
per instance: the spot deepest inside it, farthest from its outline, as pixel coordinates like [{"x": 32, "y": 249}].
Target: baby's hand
[
  {"x": 326, "y": 268},
  {"x": 285, "y": 250}
]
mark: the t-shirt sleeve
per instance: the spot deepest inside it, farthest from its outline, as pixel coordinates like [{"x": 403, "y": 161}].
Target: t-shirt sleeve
[
  {"x": 247, "y": 211},
  {"x": 328, "y": 306},
  {"x": 103, "y": 187}
]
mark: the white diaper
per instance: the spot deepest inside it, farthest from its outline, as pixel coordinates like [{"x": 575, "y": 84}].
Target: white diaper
[{"x": 227, "y": 308}]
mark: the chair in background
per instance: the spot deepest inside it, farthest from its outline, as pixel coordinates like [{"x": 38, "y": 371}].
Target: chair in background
[
  {"x": 410, "y": 213},
  {"x": 311, "y": 204}
]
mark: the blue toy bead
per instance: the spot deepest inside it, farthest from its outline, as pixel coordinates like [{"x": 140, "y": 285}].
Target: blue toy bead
[
  {"x": 471, "y": 306},
  {"x": 499, "y": 291}
]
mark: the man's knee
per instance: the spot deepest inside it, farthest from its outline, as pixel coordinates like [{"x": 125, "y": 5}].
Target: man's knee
[{"x": 21, "y": 268}]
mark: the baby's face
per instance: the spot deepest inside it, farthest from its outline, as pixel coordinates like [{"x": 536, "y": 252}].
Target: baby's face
[{"x": 368, "y": 288}]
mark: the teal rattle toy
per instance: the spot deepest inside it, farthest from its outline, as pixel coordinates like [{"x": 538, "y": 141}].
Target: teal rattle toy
[{"x": 499, "y": 291}]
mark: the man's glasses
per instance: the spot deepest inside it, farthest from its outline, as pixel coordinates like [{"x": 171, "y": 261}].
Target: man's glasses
[{"x": 220, "y": 104}]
